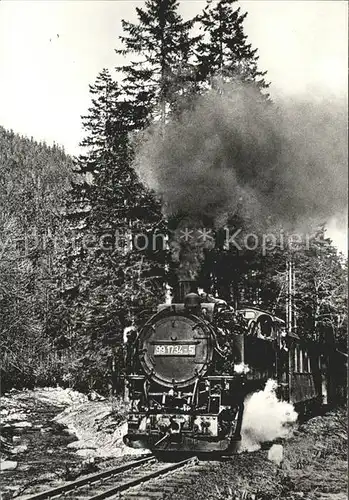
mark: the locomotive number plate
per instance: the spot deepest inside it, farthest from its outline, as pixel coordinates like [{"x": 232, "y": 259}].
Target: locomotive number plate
[{"x": 174, "y": 350}]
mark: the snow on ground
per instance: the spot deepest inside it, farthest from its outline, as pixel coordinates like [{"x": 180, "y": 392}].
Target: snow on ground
[
  {"x": 14, "y": 404},
  {"x": 50, "y": 435},
  {"x": 58, "y": 396},
  {"x": 311, "y": 465},
  {"x": 99, "y": 427}
]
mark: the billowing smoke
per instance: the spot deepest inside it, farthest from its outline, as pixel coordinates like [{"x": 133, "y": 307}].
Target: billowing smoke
[
  {"x": 234, "y": 154},
  {"x": 266, "y": 418},
  {"x": 234, "y": 151}
]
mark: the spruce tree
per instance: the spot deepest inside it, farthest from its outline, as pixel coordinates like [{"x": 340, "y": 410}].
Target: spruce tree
[
  {"x": 34, "y": 180},
  {"x": 223, "y": 51},
  {"x": 112, "y": 279},
  {"x": 162, "y": 73},
  {"x": 224, "y": 56}
]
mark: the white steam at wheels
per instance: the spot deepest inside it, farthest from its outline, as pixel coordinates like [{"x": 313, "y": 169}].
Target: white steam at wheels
[{"x": 266, "y": 418}]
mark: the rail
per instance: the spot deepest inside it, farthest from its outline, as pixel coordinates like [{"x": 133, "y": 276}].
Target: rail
[{"x": 108, "y": 483}]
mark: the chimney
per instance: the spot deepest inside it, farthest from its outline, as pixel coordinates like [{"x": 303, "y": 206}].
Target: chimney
[{"x": 183, "y": 288}]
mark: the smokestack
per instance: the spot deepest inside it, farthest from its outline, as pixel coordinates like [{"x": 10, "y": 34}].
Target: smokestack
[{"x": 182, "y": 288}]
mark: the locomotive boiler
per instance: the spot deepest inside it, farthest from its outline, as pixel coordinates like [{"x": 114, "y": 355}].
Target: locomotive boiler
[{"x": 191, "y": 366}]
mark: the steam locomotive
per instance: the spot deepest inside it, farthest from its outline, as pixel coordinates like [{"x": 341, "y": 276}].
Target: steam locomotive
[{"x": 192, "y": 365}]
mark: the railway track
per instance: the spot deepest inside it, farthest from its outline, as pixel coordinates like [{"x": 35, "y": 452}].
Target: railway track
[{"x": 122, "y": 480}]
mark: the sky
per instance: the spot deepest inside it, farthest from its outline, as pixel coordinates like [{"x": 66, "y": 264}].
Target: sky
[{"x": 50, "y": 51}]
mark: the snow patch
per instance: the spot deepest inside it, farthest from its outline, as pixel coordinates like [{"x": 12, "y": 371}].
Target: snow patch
[
  {"x": 58, "y": 396},
  {"x": 276, "y": 454},
  {"x": 99, "y": 428},
  {"x": 7, "y": 465}
]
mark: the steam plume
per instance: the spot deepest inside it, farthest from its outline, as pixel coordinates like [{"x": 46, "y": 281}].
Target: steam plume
[{"x": 266, "y": 418}]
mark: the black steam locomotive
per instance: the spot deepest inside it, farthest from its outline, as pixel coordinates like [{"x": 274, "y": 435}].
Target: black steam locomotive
[{"x": 192, "y": 365}]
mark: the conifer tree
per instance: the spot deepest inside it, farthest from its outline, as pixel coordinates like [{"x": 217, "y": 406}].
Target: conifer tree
[
  {"x": 224, "y": 56},
  {"x": 223, "y": 50},
  {"x": 161, "y": 73},
  {"x": 34, "y": 180},
  {"x": 112, "y": 274}
]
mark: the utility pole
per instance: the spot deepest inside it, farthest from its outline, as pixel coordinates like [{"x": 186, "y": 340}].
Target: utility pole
[
  {"x": 290, "y": 317},
  {"x": 291, "y": 320}
]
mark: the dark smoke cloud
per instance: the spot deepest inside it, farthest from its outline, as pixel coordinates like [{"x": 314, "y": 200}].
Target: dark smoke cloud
[
  {"x": 283, "y": 164},
  {"x": 273, "y": 166}
]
